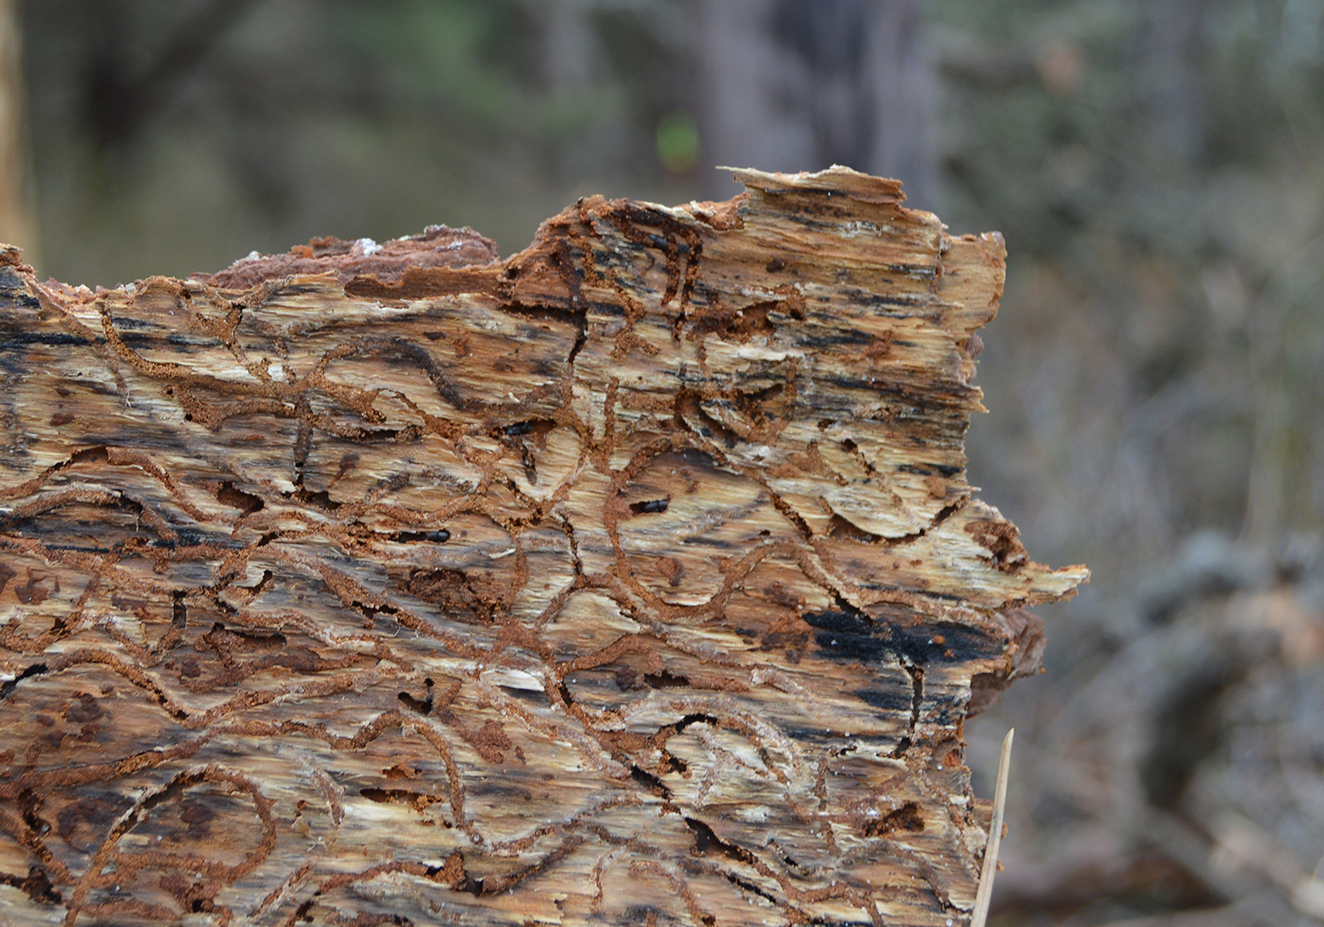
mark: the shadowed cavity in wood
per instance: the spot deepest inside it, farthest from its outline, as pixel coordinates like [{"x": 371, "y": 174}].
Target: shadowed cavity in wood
[{"x": 633, "y": 579}]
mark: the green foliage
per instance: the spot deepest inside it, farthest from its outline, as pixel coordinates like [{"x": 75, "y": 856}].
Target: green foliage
[{"x": 678, "y": 142}]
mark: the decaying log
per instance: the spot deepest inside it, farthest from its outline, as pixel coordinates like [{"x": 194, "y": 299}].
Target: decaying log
[{"x": 633, "y": 579}]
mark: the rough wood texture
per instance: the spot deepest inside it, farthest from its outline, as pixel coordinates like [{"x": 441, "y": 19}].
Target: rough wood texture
[{"x": 631, "y": 580}]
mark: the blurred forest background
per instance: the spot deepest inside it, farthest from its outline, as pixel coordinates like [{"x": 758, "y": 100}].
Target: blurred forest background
[{"x": 1155, "y": 378}]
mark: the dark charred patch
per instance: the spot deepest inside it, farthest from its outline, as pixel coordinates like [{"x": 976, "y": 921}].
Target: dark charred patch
[
  {"x": 850, "y": 636},
  {"x": 440, "y": 536},
  {"x": 889, "y": 700},
  {"x": 929, "y": 469},
  {"x": 536, "y": 428},
  {"x": 945, "y": 643},
  {"x": 19, "y": 340},
  {"x": 853, "y": 636}
]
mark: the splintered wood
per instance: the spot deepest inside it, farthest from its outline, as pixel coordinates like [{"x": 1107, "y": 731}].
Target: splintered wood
[{"x": 633, "y": 579}]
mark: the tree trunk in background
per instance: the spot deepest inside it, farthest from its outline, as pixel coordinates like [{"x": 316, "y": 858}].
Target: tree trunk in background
[
  {"x": 17, "y": 224},
  {"x": 634, "y": 579},
  {"x": 1170, "y": 81},
  {"x": 800, "y": 86},
  {"x": 569, "y": 46}
]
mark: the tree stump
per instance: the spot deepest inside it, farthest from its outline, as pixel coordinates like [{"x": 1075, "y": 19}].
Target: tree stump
[{"x": 632, "y": 579}]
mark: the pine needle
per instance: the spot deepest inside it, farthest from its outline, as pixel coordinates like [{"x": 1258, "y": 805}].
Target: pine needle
[{"x": 985, "y": 893}]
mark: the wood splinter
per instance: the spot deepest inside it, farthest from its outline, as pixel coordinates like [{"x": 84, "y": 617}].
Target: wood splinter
[
  {"x": 631, "y": 579},
  {"x": 984, "y": 895}
]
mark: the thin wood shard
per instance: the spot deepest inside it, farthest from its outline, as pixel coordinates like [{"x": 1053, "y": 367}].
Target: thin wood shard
[{"x": 633, "y": 579}]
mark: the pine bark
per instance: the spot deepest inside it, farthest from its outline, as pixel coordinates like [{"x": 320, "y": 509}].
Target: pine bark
[{"x": 632, "y": 579}]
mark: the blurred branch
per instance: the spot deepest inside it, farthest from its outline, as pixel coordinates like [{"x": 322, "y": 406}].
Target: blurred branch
[{"x": 1241, "y": 845}]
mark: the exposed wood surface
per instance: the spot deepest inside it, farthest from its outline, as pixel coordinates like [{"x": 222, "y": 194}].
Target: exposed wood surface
[{"x": 633, "y": 579}]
